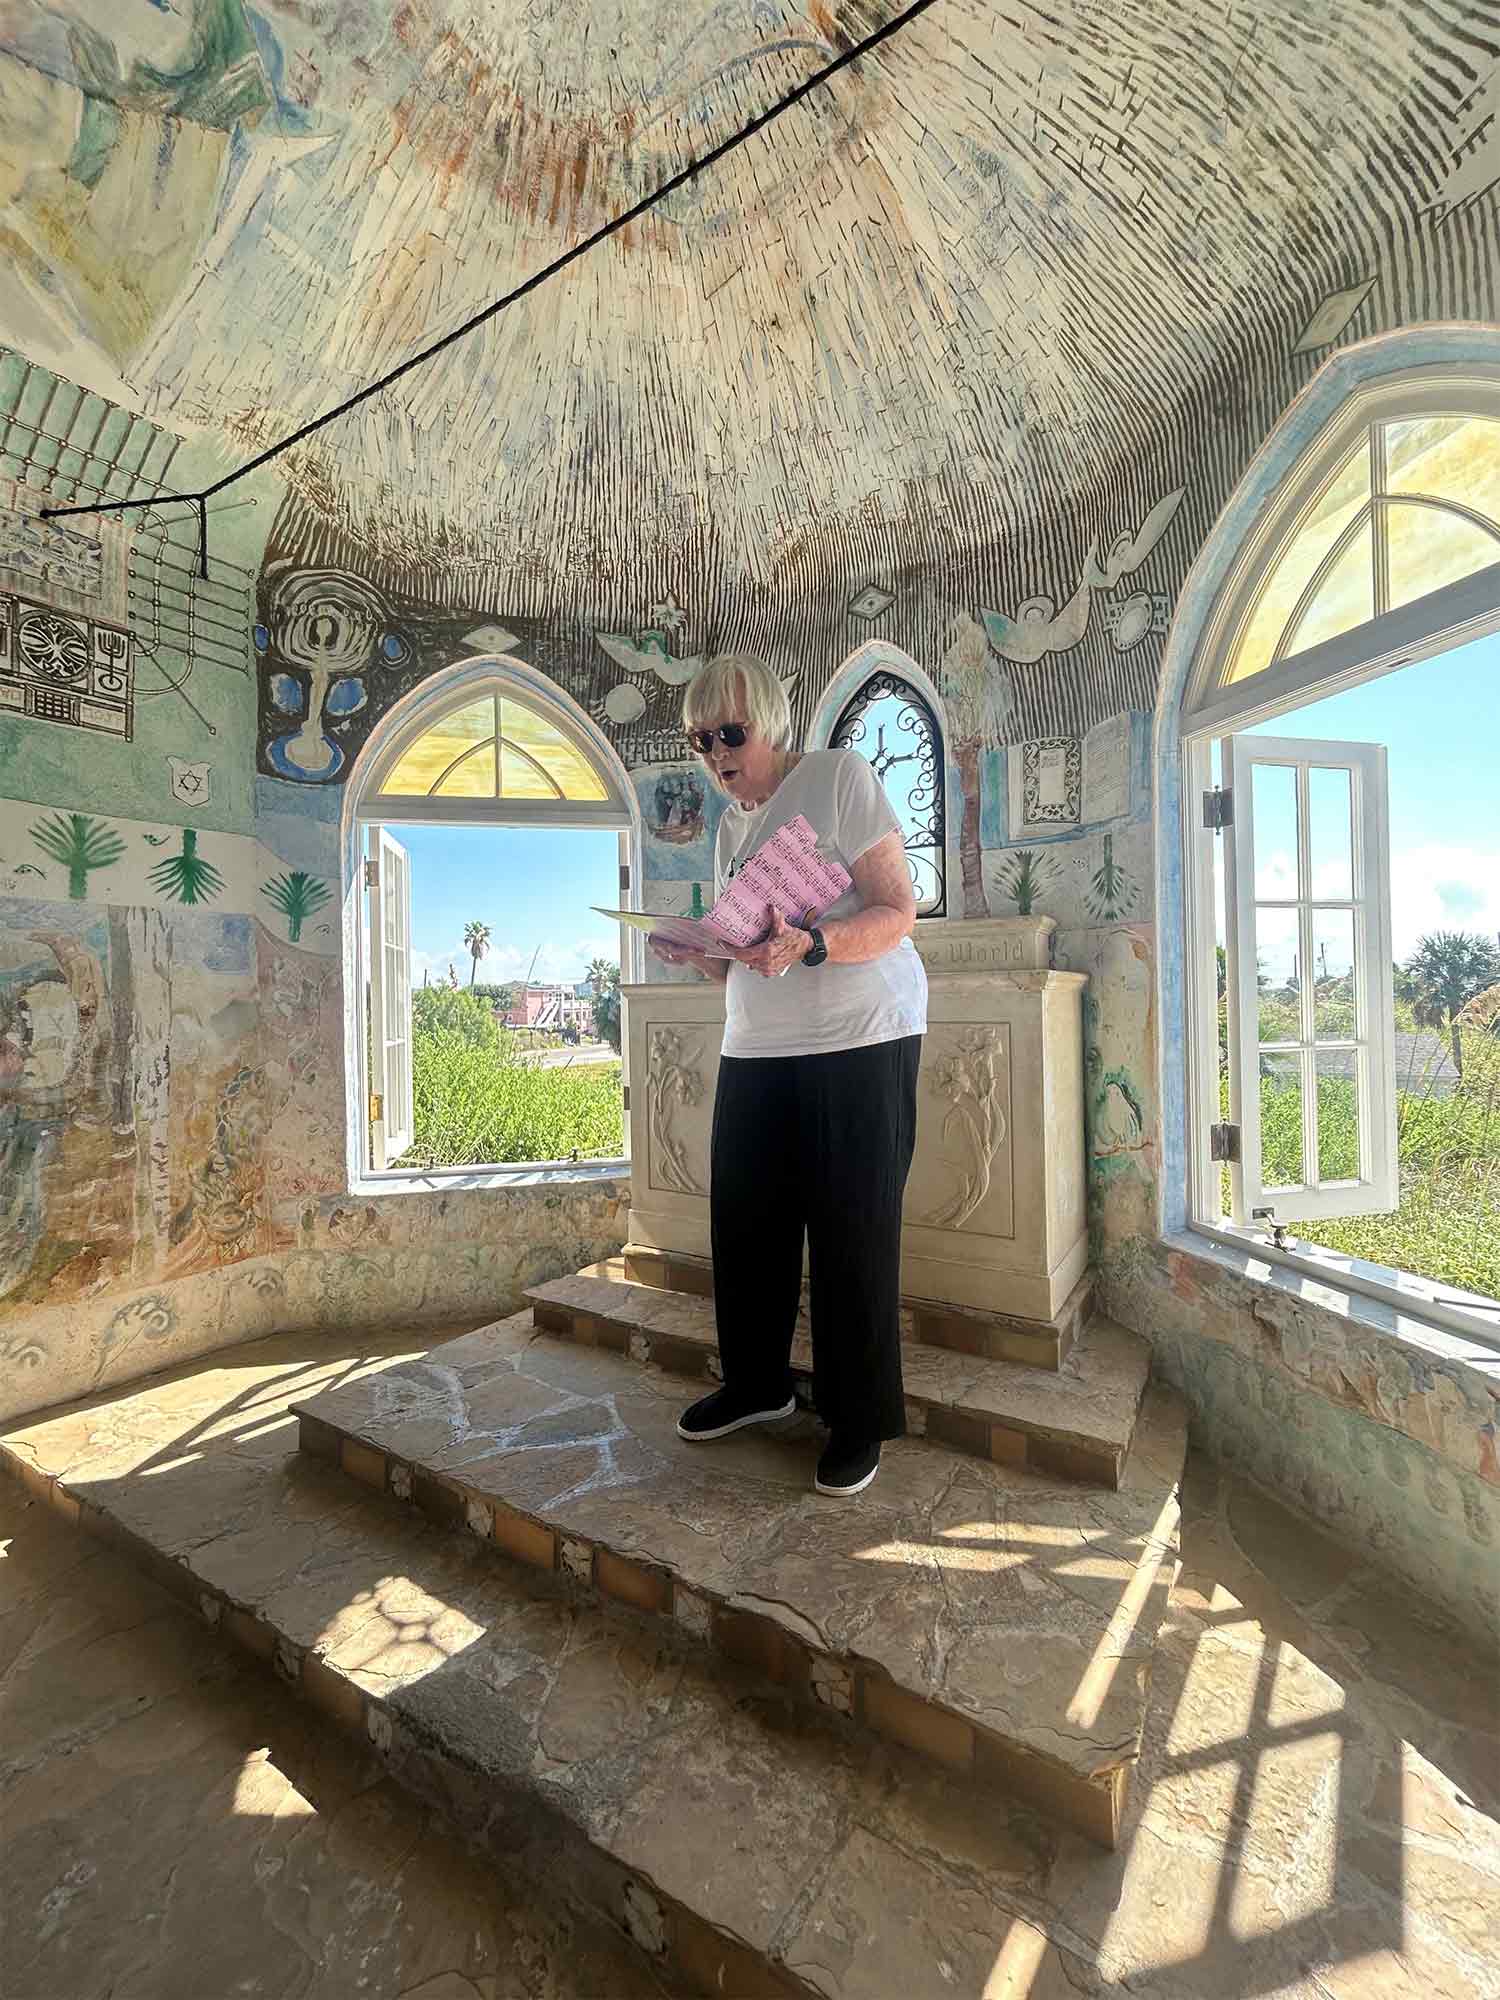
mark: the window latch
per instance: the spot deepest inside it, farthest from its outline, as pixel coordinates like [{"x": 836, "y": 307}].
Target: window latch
[{"x": 1277, "y": 1229}]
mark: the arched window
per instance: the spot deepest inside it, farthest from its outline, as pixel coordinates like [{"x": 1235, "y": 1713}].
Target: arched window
[
  {"x": 490, "y": 752},
  {"x": 1384, "y": 542},
  {"x": 891, "y": 724},
  {"x": 1314, "y": 1050},
  {"x": 488, "y": 744}
]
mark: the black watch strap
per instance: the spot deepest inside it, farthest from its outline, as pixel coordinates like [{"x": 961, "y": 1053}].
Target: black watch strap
[{"x": 819, "y": 953}]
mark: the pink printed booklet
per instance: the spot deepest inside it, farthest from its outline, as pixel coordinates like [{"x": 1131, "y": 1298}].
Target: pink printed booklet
[{"x": 784, "y": 873}]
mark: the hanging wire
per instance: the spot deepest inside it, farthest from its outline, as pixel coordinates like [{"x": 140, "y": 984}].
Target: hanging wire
[{"x": 600, "y": 235}]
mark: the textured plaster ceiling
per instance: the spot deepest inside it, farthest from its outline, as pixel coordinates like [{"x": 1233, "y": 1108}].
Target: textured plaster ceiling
[{"x": 995, "y": 257}]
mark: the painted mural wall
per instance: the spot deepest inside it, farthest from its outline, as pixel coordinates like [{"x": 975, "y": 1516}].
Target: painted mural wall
[{"x": 173, "y": 1170}]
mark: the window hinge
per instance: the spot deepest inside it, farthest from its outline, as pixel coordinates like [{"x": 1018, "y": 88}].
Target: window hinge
[
  {"x": 1218, "y": 808},
  {"x": 372, "y": 872},
  {"x": 377, "y": 1107},
  {"x": 1223, "y": 1142},
  {"x": 624, "y": 878},
  {"x": 625, "y": 1094}
]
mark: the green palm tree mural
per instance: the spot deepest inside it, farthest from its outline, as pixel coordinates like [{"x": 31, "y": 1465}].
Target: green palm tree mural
[
  {"x": 297, "y": 895},
  {"x": 1110, "y": 891},
  {"x": 81, "y": 843},
  {"x": 186, "y": 876},
  {"x": 1023, "y": 876}
]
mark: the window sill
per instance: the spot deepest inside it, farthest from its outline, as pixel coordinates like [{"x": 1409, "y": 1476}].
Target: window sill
[
  {"x": 454, "y": 1180},
  {"x": 1416, "y": 1311}
]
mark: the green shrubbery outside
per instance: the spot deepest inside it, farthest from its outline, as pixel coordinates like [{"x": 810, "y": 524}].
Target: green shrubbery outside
[
  {"x": 481, "y": 1099},
  {"x": 1448, "y": 1147}
]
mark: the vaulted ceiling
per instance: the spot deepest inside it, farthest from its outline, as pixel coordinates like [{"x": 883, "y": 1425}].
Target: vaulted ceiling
[{"x": 996, "y": 256}]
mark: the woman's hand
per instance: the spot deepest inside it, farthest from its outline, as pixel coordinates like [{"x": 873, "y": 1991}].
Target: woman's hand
[
  {"x": 783, "y": 949},
  {"x": 668, "y": 954}
]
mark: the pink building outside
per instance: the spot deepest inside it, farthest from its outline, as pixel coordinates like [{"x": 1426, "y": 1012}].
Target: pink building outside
[{"x": 552, "y": 1008}]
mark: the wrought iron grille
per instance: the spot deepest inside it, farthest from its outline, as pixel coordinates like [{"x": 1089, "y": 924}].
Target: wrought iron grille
[{"x": 893, "y": 728}]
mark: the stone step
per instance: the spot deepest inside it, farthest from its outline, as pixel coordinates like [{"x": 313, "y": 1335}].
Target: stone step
[
  {"x": 994, "y": 1621},
  {"x": 751, "y": 1845},
  {"x": 996, "y": 1336},
  {"x": 1076, "y": 1423}
]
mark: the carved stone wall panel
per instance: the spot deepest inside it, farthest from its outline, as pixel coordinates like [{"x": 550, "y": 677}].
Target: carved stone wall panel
[
  {"x": 679, "y": 1107},
  {"x": 963, "y": 1173}
]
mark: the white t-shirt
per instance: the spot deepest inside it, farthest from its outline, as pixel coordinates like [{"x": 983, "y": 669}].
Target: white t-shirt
[{"x": 821, "y": 1009}]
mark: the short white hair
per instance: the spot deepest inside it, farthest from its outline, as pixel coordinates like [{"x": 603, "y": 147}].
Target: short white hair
[{"x": 736, "y": 687}]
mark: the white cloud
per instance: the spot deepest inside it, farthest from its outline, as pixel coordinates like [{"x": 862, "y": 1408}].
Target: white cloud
[
  {"x": 1436, "y": 886},
  {"x": 1440, "y": 887}
]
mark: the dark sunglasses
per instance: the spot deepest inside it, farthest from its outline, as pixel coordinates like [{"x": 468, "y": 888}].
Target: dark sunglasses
[{"x": 731, "y": 734}]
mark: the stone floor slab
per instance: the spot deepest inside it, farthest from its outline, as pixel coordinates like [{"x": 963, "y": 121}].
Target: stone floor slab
[
  {"x": 951, "y": 1598},
  {"x": 1076, "y": 1420}
]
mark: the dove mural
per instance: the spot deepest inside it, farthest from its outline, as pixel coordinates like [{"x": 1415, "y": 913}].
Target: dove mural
[{"x": 1039, "y": 627}]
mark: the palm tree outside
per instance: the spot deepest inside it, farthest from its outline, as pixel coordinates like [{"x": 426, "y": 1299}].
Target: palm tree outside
[
  {"x": 477, "y": 943},
  {"x": 1447, "y": 969}
]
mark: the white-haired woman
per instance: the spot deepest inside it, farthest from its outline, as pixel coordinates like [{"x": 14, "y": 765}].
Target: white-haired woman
[{"x": 815, "y": 1117}]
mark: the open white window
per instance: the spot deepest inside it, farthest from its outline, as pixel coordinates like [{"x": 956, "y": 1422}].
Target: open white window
[
  {"x": 388, "y": 881},
  {"x": 494, "y": 815},
  {"x": 1311, "y": 1036},
  {"x": 1341, "y": 848}
]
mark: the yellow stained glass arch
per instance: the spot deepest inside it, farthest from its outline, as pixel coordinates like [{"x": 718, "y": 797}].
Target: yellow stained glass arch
[
  {"x": 1413, "y": 507},
  {"x": 492, "y": 745}
]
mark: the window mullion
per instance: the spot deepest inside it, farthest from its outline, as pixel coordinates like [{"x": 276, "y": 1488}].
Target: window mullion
[
  {"x": 1307, "y": 996},
  {"x": 1380, "y": 548}
]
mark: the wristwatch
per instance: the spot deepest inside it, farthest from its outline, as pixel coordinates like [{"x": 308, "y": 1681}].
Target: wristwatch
[{"x": 819, "y": 953}]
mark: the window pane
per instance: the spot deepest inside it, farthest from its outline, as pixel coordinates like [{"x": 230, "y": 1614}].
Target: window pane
[
  {"x": 1345, "y": 597},
  {"x": 1276, "y": 948},
  {"x": 472, "y": 777},
  {"x": 423, "y": 765},
  {"x": 1330, "y": 835},
  {"x": 1333, "y": 975},
  {"x": 1274, "y": 804},
  {"x": 1330, "y": 514},
  {"x": 1448, "y": 458},
  {"x": 894, "y": 730},
  {"x": 1338, "y": 1114},
  {"x": 1430, "y": 546},
  {"x": 1281, "y": 1121},
  {"x": 538, "y": 761}
]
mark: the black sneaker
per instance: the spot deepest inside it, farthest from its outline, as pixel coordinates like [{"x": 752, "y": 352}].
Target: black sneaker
[
  {"x": 724, "y": 1411},
  {"x": 846, "y": 1468}
]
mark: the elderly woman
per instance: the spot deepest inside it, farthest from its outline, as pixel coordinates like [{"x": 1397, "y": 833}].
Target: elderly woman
[{"x": 816, "y": 1110}]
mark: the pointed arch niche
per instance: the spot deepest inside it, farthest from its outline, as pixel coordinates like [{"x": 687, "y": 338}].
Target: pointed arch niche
[
  {"x": 881, "y": 703},
  {"x": 488, "y": 742}
]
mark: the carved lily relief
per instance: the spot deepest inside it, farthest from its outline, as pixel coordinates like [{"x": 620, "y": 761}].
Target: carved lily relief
[
  {"x": 966, "y": 1080},
  {"x": 672, "y": 1085}
]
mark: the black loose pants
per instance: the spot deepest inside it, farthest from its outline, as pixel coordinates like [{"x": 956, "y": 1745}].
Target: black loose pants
[{"x": 815, "y": 1146}]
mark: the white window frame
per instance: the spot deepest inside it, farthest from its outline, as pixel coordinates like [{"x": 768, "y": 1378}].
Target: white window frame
[
  {"x": 1438, "y": 623},
  {"x": 367, "y": 809},
  {"x": 387, "y": 867},
  {"x": 1374, "y": 1189}
]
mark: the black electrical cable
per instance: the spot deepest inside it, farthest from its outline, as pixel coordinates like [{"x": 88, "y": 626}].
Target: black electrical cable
[{"x": 600, "y": 235}]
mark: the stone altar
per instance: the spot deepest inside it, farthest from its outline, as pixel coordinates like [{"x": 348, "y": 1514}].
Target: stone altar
[{"x": 995, "y": 1205}]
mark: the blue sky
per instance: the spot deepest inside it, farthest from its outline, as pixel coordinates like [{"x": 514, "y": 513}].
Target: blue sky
[
  {"x": 1440, "y": 723},
  {"x": 533, "y": 886}
]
